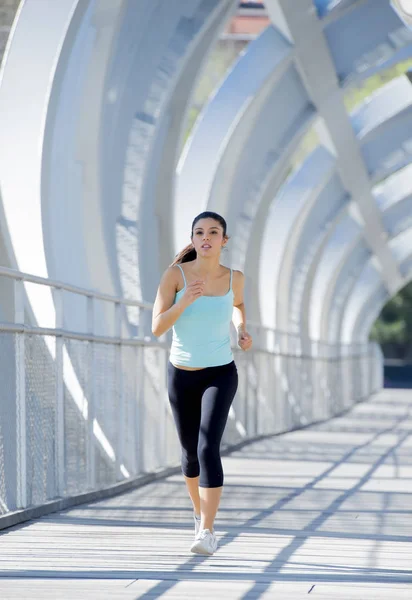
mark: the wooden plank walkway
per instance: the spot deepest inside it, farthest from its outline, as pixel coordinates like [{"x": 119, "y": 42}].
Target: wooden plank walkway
[{"x": 325, "y": 511}]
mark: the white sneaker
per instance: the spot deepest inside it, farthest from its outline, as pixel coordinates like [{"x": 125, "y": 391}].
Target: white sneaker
[
  {"x": 197, "y": 524},
  {"x": 205, "y": 543}
]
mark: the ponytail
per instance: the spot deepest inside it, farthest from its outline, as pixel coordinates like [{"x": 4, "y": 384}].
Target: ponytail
[{"x": 186, "y": 255}]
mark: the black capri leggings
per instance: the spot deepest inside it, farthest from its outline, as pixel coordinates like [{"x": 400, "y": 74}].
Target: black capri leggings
[{"x": 200, "y": 402}]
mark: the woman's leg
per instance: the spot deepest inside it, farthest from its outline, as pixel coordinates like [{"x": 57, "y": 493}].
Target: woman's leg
[
  {"x": 185, "y": 401},
  {"x": 216, "y": 402},
  {"x": 209, "y": 504},
  {"x": 192, "y": 484}
]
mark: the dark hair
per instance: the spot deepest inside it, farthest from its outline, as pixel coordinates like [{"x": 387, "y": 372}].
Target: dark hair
[{"x": 189, "y": 253}]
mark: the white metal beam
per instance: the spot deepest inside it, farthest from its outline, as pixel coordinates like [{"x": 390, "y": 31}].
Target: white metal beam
[{"x": 303, "y": 28}]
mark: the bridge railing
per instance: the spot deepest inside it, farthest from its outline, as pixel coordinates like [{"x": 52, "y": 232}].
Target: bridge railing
[{"x": 81, "y": 413}]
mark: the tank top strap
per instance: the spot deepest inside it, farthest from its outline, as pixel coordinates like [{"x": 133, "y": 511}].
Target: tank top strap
[
  {"x": 231, "y": 278},
  {"x": 183, "y": 275}
]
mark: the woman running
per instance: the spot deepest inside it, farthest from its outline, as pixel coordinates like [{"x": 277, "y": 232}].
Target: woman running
[{"x": 199, "y": 297}]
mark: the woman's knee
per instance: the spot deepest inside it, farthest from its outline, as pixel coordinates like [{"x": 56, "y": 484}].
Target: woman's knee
[
  {"x": 211, "y": 472},
  {"x": 190, "y": 463}
]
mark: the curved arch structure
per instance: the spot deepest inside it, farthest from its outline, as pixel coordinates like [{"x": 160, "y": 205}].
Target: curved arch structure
[
  {"x": 382, "y": 127},
  {"x": 404, "y": 10},
  {"x": 108, "y": 200},
  {"x": 97, "y": 195}
]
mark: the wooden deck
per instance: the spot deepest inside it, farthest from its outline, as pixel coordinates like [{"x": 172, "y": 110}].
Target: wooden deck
[{"x": 325, "y": 511}]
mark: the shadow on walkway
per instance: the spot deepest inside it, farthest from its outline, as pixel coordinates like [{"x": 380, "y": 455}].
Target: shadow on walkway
[{"x": 329, "y": 503}]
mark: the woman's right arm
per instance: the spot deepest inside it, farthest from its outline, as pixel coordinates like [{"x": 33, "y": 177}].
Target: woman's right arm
[{"x": 165, "y": 312}]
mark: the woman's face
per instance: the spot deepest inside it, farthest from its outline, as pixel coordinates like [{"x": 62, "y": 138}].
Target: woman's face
[{"x": 207, "y": 237}]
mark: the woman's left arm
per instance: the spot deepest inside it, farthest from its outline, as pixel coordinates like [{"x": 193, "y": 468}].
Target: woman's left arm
[{"x": 244, "y": 339}]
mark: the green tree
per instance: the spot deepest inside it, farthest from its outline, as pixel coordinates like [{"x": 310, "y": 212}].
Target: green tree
[{"x": 393, "y": 328}]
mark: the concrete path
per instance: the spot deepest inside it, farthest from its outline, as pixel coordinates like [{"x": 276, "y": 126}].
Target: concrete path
[{"x": 325, "y": 511}]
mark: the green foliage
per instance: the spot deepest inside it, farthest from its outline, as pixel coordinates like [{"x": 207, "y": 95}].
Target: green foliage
[
  {"x": 219, "y": 63},
  {"x": 356, "y": 95},
  {"x": 393, "y": 328}
]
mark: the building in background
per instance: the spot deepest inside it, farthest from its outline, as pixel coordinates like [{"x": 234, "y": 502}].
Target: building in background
[
  {"x": 248, "y": 23},
  {"x": 251, "y": 19}
]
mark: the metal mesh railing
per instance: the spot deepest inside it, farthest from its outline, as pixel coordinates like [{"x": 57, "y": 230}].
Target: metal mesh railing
[
  {"x": 40, "y": 388},
  {"x": 80, "y": 412},
  {"x": 8, "y": 424}
]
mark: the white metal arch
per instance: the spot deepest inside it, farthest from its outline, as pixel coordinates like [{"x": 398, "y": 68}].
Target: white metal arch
[
  {"x": 393, "y": 199},
  {"x": 104, "y": 121},
  {"x": 288, "y": 214}
]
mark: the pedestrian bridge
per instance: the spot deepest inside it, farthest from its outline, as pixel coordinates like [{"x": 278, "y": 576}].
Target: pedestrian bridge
[
  {"x": 317, "y": 193},
  {"x": 323, "y": 511}
]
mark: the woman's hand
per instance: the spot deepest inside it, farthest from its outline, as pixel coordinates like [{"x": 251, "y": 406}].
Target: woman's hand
[
  {"x": 244, "y": 340},
  {"x": 193, "y": 291}
]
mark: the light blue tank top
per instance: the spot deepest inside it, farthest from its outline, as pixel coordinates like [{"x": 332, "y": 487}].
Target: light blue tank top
[{"x": 201, "y": 335}]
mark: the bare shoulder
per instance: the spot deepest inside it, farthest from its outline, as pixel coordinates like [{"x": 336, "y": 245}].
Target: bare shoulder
[
  {"x": 171, "y": 276},
  {"x": 238, "y": 278}
]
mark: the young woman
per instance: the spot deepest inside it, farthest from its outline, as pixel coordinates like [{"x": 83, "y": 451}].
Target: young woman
[{"x": 199, "y": 297}]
